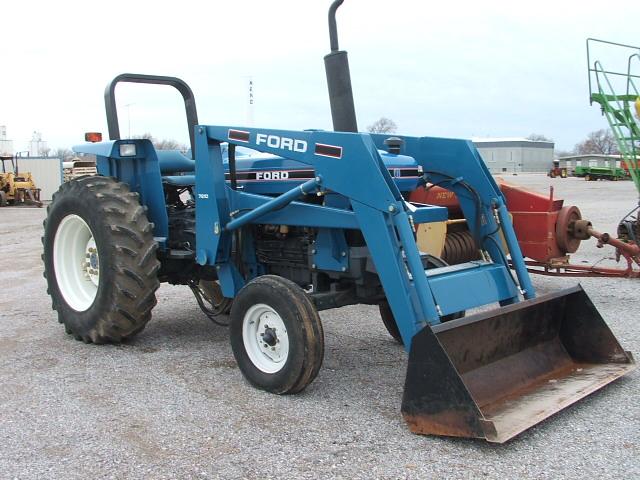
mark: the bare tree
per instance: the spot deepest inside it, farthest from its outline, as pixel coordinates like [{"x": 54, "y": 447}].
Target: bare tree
[
  {"x": 564, "y": 153},
  {"x": 599, "y": 142},
  {"x": 63, "y": 153},
  {"x": 538, "y": 137},
  {"x": 383, "y": 125},
  {"x": 163, "y": 144}
]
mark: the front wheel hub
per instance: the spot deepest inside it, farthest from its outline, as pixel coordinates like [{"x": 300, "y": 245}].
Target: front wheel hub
[
  {"x": 265, "y": 338},
  {"x": 269, "y": 336}
]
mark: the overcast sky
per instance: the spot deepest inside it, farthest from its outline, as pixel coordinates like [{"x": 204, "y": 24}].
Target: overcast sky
[{"x": 454, "y": 69}]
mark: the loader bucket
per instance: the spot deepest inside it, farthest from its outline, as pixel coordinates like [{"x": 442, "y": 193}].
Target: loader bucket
[{"x": 497, "y": 373}]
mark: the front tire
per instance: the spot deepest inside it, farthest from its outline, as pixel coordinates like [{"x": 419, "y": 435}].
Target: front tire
[
  {"x": 276, "y": 335},
  {"x": 100, "y": 260}
]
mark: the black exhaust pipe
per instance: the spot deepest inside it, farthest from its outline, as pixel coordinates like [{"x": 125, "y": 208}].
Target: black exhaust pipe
[{"x": 336, "y": 64}]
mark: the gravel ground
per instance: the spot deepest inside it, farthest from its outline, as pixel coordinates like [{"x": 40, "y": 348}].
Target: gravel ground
[{"x": 172, "y": 403}]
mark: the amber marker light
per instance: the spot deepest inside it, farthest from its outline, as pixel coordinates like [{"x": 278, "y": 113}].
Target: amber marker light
[{"x": 93, "y": 137}]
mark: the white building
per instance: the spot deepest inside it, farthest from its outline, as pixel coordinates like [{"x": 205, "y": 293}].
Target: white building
[
  {"x": 6, "y": 146},
  {"x": 37, "y": 146},
  {"x": 515, "y": 155}
]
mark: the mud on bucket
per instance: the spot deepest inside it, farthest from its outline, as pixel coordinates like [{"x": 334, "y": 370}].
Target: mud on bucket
[{"x": 497, "y": 373}]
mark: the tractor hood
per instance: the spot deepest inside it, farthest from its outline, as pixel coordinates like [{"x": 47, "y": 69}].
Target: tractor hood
[{"x": 270, "y": 174}]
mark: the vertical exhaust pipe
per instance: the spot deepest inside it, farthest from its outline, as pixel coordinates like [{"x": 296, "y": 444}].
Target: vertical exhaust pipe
[{"x": 336, "y": 64}]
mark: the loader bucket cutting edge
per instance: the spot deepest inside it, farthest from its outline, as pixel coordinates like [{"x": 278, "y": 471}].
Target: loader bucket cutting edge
[{"x": 495, "y": 374}]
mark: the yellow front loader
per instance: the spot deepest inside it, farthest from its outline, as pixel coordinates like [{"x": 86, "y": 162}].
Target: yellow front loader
[{"x": 17, "y": 188}]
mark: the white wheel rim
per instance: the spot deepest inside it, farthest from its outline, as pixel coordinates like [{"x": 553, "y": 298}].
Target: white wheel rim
[
  {"x": 76, "y": 262},
  {"x": 265, "y": 338}
]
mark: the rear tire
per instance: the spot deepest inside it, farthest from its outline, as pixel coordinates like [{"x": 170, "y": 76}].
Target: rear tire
[
  {"x": 3, "y": 198},
  {"x": 276, "y": 335},
  {"x": 100, "y": 260}
]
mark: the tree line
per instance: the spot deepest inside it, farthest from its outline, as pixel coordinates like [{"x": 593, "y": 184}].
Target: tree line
[{"x": 598, "y": 142}]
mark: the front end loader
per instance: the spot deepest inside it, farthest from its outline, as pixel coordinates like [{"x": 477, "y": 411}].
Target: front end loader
[
  {"x": 16, "y": 187},
  {"x": 321, "y": 221}
]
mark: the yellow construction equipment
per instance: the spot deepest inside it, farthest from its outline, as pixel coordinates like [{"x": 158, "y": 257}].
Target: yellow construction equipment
[{"x": 17, "y": 188}]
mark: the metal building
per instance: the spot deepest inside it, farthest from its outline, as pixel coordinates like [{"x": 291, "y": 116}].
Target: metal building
[
  {"x": 515, "y": 155},
  {"x": 589, "y": 160},
  {"x": 46, "y": 172}
]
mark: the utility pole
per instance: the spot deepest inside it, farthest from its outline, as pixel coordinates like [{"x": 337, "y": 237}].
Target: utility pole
[{"x": 128, "y": 105}]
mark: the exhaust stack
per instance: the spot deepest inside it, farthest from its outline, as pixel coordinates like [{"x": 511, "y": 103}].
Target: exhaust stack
[{"x": 336, "y": 64}]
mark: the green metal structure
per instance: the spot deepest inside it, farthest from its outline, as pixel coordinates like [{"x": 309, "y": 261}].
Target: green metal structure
[{"x": 618, "y": 96}]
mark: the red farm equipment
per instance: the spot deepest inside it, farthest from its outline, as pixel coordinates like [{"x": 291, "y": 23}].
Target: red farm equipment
[
  {"x": 547, "y": 230},
  {"x": 557, "y": 170}
]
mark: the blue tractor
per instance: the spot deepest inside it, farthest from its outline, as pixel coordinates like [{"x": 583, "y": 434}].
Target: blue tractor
[{"x": 318, "y": 220}]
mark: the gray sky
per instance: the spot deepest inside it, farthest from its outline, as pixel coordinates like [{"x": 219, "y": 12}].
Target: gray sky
[{"x": 454, "y": 69}]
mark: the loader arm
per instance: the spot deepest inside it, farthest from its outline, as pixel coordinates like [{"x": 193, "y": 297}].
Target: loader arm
[
  {"x": 379, "y": 209},
  {"x": 456, "y": 166}
]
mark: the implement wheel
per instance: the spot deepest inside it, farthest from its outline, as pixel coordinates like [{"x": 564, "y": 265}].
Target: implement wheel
[
  {"x": 276, "y": 335},
  {"x": 565, "y": 239},
  {"x": 100, "y": 260}
]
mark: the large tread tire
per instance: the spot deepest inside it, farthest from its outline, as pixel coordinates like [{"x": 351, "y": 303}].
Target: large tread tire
[
  {"x": 3, "y": 198},
  {"x": 304, "y": 330},
  {"x": 127, "y": 251}
]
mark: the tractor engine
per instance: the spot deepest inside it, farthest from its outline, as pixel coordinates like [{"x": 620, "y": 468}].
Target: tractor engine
[{"x": 284, "y": 251}]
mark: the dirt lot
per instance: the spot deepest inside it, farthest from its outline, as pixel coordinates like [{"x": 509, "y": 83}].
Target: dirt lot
[{"x": 172, "y": 403}]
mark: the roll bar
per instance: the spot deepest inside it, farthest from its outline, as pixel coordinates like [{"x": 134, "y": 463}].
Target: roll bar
[{"x": 178, "y": 84}]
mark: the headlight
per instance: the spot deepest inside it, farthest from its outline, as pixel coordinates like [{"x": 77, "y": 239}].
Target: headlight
[{"x": 127, "y": 150}]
